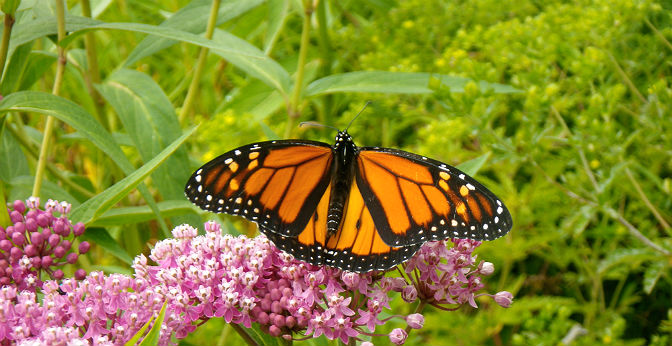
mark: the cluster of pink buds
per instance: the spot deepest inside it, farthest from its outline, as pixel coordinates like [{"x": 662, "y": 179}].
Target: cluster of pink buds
[{"x": 38, "y": 241}]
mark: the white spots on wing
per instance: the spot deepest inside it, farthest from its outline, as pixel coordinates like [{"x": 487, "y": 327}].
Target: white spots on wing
[
  {"x": 228, "y": 161},
  {"x": 499, "y": 210},
  {"x": 237, "y": 152},
  {"x": 470, "y": 187},
  {"x": 198, "y": 178},
  {"x": 461, "y": 176}
]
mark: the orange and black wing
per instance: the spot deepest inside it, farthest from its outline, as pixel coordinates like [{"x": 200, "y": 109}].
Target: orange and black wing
[
  {"x": 356, "y": 246},
  {"x": 414, "y": 199},
  {"x": 276, "y": 184}
]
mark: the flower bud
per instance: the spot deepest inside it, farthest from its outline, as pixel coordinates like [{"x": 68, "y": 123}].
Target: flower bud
[
  {"x": 504, "y": 298},
  {"x": 59, "y": 251},
  {"x": 78, "y": 229},
  {"x": 54, "y": 239},
  {"x": 409, "y": 294},
  {"x": 31, "y": 224},
  {"x": 415, "y": 321},
  {"x": 43, "y": 220},
  {"x": 398, "y": 336},
  {"x": 15, "y": 216},
  {"x": 80, "y": 274},
  {"x": 5, "y": 245},
  {"x": 19, "y": 206},
  {"x": 58, "y": 274},
  {"x": 84, "y": 247},
  {"x": 486, "y": 268},
  {"x": 30, "y": 250},
  {"x": 72, "y": 258},
  {"x": 36, "y": 238},
  {"x": 19, "y": 227},
  {"x": 47, "y": 261},
  {"x": 18, "y": 238}
]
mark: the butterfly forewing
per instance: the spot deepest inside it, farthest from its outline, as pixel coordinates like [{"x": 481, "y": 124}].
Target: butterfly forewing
[
  {"x": 414, "y": 199},
  {"x": 277, "y": 184}
]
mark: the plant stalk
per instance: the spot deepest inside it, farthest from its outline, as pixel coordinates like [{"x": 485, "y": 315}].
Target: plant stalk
[
  {"x": 198, "y": 72},
  {"x": 58, "y": 81},
  {"x": 92, "y": 75},
  {"x": 4, "y": 46},
  {"x": 293, "y": 109}
]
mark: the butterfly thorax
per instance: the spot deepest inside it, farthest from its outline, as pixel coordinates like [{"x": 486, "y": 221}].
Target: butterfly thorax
[{"x": 345, "y": 152}]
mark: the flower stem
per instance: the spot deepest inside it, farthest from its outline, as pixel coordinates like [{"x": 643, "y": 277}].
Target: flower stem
[
  {"x": 418, "y": 309},
  {"x": 243, "y": 334},
  {"x": 200, "y": 64},
  {"x": 293, "y": 109},
  {"x": 30, "y": 148},
  {"x": 4, "y": 46},
  {"x": 49, "y": 127},
  {"x": 92, "y": 76}
]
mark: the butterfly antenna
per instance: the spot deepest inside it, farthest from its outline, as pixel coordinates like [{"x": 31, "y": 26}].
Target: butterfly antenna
[
  {"x": 360, "y": 112},
  {"x": 314, "y": 124}
]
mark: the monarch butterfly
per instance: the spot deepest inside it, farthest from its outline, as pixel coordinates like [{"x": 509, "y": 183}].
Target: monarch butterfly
[{"x": 354, "y": 208}]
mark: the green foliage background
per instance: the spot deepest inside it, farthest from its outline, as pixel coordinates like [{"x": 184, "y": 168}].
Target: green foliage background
[{"x": 580, "y": 150}]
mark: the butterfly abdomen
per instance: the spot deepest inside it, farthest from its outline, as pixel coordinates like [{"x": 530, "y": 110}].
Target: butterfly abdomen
[{"x": 343, "y": 175}]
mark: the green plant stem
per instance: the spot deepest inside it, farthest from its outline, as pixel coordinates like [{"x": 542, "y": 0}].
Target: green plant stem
[
  {"x": 50, "y": 167},
  {"x": 418, "y": 309},
  {"x": 327, "y": 58},
  {"x": 582, "y": 155},
  {"x": 293, "y": 109},
  {"x": 646, "y": 200},
  {"x": 610, "y": 211},
  {"x": 4, "y": 46},
  {"x": 198, "y": 72},
  {"x": 658, "y": 34},
  {"x": 243, "y": 334},
  {"x": 49, "y": 127},
  {"x": 627, "y": 79},
  {"x": 92, "y": 75}
]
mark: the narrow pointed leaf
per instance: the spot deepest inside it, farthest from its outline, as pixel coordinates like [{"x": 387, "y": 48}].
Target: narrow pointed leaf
[{"x": 90, "y": 210}]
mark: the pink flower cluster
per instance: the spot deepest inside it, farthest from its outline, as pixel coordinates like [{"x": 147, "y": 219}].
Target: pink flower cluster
[
  {"x": 244, "y": 281},
  {"x": 38, "y": 241}
]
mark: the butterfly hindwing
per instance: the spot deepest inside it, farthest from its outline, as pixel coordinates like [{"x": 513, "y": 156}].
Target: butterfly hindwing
[
  {"x": 356, "y": 246},
  {"x": 414, "y": 199},
  {"x": 276, "y": 184}
]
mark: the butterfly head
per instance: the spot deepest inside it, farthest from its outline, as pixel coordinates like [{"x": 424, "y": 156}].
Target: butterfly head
[{"x": 344, "y": 141}]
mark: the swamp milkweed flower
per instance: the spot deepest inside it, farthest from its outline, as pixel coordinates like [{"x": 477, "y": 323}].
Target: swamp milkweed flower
[{"x": 243, "y": 280}]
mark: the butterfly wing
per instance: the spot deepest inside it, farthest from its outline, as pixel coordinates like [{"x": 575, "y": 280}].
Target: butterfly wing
[
  {"x": 276, "y": 184},
  {"x": 356, "y": 246},
  {"x": 413, "y": 199}
]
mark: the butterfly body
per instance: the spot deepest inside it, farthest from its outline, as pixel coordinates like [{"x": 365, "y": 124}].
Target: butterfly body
[{"x": 354, "y": 208}]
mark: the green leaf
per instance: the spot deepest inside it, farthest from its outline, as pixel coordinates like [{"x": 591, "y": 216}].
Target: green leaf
[
  {"x": 392, "y": 82},
  {"x": 77, "y": 26},
  {"x": 472, "y": 166},
  {"x": 100, "y": 237},
  {"x": 90, "y": 210},
  {"x": 161, "y": 31},
  {"x": 15, "y": 69},
  {"x": 75, "y": 116},
  {"x": 191, "y": 18},
  {"x": 371, "y": 81},
  {"x": 265, "y": 69},
  {"x": 277, "y": 15},
  {"x": 130, "y": 215},
  {"x": 151, "y": 123},
  {"x": 652, "y": 274},
  {"x": 13, "y": 162},
  {"x": 70, "y": 113},
  {"x": 152, "y": 338},
  {"x": 22, "y": 188}
]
